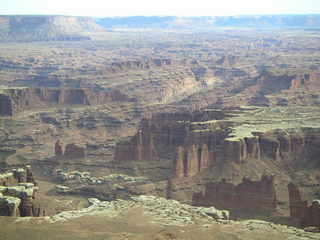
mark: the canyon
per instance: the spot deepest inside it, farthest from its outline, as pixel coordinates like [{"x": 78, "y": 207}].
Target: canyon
[
  {"x": 181, "y": 128},
  {"x": 216, "y": 153}
]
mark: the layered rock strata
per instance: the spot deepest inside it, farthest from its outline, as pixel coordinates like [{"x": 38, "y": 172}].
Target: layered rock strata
[
  {"x": 14, "y": 100},
  {"x": 196, "y": 141}
]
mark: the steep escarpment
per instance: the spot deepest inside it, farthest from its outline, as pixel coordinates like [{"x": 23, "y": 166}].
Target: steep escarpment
[
  {"x": 14, "y": 100},
  {"x": 46, "y": 28},
  {"x": 167, "y": 81},
  {"x": 195, "y": 151},
  {"x": 163, "y": 131},
  {"x": 196, "y": 141},
  {"x": 258, "y": 87}
]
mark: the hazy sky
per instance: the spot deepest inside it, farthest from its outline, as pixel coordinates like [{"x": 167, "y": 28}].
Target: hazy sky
[{"x": 158, "y": 7}]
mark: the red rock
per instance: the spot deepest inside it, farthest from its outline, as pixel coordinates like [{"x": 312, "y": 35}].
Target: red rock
[
  {"x": 191, "y": 160},
  {"x": 141, "y": 147}
]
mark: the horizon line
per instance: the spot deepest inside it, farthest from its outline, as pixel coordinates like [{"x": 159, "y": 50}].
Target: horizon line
[{"x": 182, "y": 16}]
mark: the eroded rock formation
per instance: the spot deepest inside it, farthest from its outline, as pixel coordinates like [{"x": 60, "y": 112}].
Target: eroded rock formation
[
  {"x": 300, "y": 210},
  {"x": 197, "y": 141},
  {"x": 192, "y": 160},
  {"x": 252, "y": 196},
  {"x": 58, "y": 149},
  {"x": 14, "y": 100},
  {"x": 17, "y": 193},
  {"x": 176, "y": 137},
  {"x": 71, "y": 151},
  {"x": 74, "y": 151}
]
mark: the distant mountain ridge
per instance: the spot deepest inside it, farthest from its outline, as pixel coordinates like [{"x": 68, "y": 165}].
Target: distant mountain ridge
[
  {"x": 45, "y": 28},
  {"x": 258, "y": 21},
  {"x": 24, "y": 28}
]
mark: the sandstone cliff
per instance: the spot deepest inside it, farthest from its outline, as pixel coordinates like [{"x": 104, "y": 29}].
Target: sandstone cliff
[
  {"x": 14, "y": 100},
  {"x": 197, "y": 141}
]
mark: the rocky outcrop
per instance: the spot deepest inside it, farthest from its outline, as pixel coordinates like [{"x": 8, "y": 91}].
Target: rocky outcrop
[
  {"x": 197, "y": 141},
  {"x": 17, "y": 176},
  {"x": 19, "y": 200},
  {"x": 73, "y": 151},
  {"x": 163, "y": 211},
  {"x": 251, "y": 196},
  {"x": 58, "y": 152},
  {"x": 14, "y": 100},
  {"x": 176, "y": 137},
  {"x": 140, "y": 148},
  {"x": 306, "y": 81},
  {"x": 300, "y": 210},
  {"x": 17, "y": 193},
  {"x": 9, "y": 206}
]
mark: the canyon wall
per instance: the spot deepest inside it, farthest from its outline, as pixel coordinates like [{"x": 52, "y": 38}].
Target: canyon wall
[
  {"x": 172, "y": 136},
  {"x": 252, "y": 196},
  {"x": 16, "y": 100},
  {"x": 266, "y": 88},
  {"x": 198, "y": 141}
]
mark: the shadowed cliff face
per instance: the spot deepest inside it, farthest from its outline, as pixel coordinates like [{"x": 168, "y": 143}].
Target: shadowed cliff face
[
  {"x": 252, "y": 196},
  {"x": 300, "y": 210},
  {"x": 193, "y": 151},
  {"x": 167, "y": 135}
]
